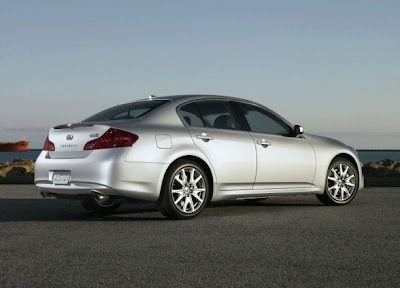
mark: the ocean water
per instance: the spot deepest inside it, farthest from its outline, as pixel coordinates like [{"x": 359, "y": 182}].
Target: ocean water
[{"x": 365, "y": 155}]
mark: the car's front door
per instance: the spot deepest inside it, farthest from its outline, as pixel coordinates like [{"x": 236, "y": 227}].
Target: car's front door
[
  {"x": 283, "y": 161},
  {"x": 216, "y": 132}
]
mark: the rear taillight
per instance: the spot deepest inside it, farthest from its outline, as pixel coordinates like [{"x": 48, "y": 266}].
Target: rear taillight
[
  {"x": 48, "y": 145},
  {"x": 113, "y": 138}
]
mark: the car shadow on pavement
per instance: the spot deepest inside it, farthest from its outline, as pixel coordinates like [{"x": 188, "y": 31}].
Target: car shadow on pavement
[
  {"x": 14, "y": 210},
  {"x": 68, "y": 210},
  {"x": 271, "y": 202}
]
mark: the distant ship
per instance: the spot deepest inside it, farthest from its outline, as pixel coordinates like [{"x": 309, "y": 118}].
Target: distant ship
[{"x": 20, "y": 146}]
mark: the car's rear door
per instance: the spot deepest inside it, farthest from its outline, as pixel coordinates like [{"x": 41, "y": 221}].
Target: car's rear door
[
  {"x": 215, "y": 130},
  {"x": 283, "y": 161}
]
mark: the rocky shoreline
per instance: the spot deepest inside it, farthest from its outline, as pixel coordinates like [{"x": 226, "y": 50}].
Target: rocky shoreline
[
  {"x": 385, "y": 173},
  {"x": 18, "y": 172}
]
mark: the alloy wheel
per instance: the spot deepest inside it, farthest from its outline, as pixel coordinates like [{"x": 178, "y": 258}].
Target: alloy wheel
[
  {"x": 341, "y": 182},
  {"x": 188, "y": 190}
]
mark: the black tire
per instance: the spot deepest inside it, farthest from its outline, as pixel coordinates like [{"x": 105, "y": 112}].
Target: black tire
[
  {"x": 331, "y": 198},
  {"x": 92, "y": 205},
  {"x": 166, "y": 203}
]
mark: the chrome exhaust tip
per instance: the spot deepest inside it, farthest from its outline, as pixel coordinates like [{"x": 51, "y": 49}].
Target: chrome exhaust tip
[
  {"x": 100, "y": 197},
  {"x": 46, "y": 195}
]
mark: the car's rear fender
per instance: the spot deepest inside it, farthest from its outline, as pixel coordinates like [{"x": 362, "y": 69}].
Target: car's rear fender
[{"x": 104, "y": 171}]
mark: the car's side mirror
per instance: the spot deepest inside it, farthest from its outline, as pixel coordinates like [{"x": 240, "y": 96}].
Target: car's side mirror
[{"x": 298, "y": 130}]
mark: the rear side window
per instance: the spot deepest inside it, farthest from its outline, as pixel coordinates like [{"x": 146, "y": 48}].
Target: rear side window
[
  {"x": 191, "y": 115},
  {"x": 218, "y": 114},
  {"x": 126, "y": 111}
]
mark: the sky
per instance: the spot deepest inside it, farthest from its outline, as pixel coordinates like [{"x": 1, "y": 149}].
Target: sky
[{"x": 330, "y": 66}]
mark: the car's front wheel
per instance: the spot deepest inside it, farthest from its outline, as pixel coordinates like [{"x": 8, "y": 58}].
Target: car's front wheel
[
  {"x": 341, "y": 183},
  {"x": 185, "y": 190}
]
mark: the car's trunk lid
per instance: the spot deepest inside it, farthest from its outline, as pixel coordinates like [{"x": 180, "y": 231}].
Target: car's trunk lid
[{"x": 70, "y": 139}]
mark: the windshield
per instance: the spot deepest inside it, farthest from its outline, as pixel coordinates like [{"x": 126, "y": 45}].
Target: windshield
[{"x": 125, "y": 111}]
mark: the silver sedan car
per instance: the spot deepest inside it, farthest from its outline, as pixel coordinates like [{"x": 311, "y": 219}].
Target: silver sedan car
[{"x": 182, "y": 152}]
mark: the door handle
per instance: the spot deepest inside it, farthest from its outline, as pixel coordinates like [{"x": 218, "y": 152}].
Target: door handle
[
  {"x": 264, "y": 143},
  {"x": 204, "y": 137}
]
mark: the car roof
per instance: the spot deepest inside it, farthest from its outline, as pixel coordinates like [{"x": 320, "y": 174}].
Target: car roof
[
  {"x": 180, "y": 99},
  {"x": 188, "y": 97}
]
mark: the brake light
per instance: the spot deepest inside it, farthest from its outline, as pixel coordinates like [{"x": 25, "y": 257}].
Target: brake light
[
  {"x": 48, "y": 145},
  {"x": 113, "y": 138}
]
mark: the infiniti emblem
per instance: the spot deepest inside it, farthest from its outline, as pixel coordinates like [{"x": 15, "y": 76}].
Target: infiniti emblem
[{"x": 70, "y": 137}]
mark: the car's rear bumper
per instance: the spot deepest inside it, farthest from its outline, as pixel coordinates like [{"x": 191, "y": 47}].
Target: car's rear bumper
[{"x": 103, "y": 171}]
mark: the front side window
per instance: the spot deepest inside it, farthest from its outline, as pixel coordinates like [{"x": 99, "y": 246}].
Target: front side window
[
  {"x": 218, "y": 114},
  {"x": 125, "y": 111},
  {"x": 262, "y": 121}
]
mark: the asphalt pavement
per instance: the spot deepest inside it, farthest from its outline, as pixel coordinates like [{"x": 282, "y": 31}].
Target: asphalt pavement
[{"x": 283, "y": 241}]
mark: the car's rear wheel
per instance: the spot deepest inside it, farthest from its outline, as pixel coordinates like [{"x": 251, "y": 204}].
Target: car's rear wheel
[
  {"x": 341, "y": 183},
  {"x": 92, "y": 204},
  {"x": 185, "y": 190}
]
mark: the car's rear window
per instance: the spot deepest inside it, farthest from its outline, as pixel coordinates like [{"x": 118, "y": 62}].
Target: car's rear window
[{"x": 126, "y": 111}]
